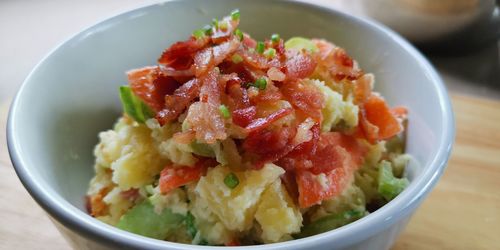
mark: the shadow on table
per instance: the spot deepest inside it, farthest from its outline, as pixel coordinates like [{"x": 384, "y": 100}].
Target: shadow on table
[{"x": 481, "y": 67}]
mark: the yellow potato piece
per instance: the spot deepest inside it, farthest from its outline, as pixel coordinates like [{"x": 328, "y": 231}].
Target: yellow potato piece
[
  {"x": 236, "y": 207},
  {"x": 277, "y": 214}
]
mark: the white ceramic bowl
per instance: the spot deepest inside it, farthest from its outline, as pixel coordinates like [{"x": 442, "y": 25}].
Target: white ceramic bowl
[{"x": 71, "y": 95}]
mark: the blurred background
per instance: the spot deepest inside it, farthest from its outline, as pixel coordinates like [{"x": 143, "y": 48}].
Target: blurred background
[{"x": 460, "y": 37}]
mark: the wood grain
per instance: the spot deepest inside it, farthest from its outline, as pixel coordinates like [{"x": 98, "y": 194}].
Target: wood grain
[{"x": 463, "y": 211}]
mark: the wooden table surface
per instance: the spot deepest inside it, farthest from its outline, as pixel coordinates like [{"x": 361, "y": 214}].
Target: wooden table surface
[{"x": 462, "y": 212}]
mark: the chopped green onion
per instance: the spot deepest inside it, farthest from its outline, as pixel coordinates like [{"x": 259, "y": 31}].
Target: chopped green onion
[
  {"x": 231, "y": 180},
  {"x": 208, "y": 29},
  {"x": 190, "y": 225},
  {"x": 215, "y": 23},
  {"x": 239, "y": 34},
  {"x": 275, "y": 38},
  {"x": 388, "y": 185},
  {"x": 133, "y": 106},
  {"x": 236, "y": 58},
  {"x": 199, "y": 33},
  {"x": 235, "y": 14},
  {"x": 270, "y": 53},
  {"x": 260, "y": 47},
  {"x": 224, "y": 111},
  {"x": 260, "y": 83}
]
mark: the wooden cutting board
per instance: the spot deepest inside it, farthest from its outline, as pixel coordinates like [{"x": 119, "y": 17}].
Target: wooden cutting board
[{"x": 463, "y": 211}]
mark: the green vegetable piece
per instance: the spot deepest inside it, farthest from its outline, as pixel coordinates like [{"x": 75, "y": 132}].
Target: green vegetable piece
[
  {"x": 260, "y": 83},
  {"x": 388, "y": 185},
  {"x": 299, "y": 43},
  {"x": 270, "y": 53},
  {"x": 224, "y": 111},
  {"x": 239, "y": 34},
  {"x": 215, "y": 23},
  {"x": 202, "y": 149},
  {"x": 235, "y": 14},
  {"x": 275, "y": 38},
  {"x": 260, "y": 47},
  {"x": 190, "y": 225},
  {"x": 133, "y": 106},
  {"x": 231, "y": 180},
  {"x": 142, "y": 219},
  {"x": 208, "y": 29},
  {"x": 330, "y": 222},
  {"x": 236, "y": 58},
  {"x": 198, "y": 34}
]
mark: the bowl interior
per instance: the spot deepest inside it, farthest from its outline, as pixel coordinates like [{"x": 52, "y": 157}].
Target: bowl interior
[{"x": 73, "y": 93}]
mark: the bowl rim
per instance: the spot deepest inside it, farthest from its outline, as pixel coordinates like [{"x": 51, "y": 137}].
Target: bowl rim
[{"x": 75, "y": 219}]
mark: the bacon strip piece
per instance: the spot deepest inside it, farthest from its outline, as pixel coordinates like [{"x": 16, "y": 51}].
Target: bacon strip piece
[
  {"x": 305, "y": 97},
  {"x": 204, "y": 116},
  {"x": 176, "y": 103},
  {"x": 263, "y": 122},
  {"x": 151, "y": 85}
]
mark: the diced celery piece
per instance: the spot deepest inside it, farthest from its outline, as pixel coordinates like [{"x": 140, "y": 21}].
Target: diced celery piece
[
  {"x": 299, "y": 43},
  {"x": 142, "y": 219},
  {"x": 133, "y": 106},
  {"x": 330, "y": 222},
  {"x": 388, "y": 185},
  {"x": 202, "y": 149}
]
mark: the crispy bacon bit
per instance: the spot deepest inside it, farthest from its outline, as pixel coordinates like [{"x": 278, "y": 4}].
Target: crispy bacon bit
[
  {"x": 299, "y": 65},
  {"x": 270, "y": 145},
  {"x": 203, "y": 60},
  {"x": 242, "y": 117},
  {"x": 254, "y": 59},
  {"x": 336, "y": 61},
  {"x": 176, "y": 103},
  {"x": 210, "y": 57},
  {"x": 204, "y": 117},
  {"x": 179, "y": 56},
  {"x": 248, "y": 41},
  {"x": 151, "y": 85},
  {"x": 305, "y": 97},
  {"x": 324, "y": 153},
  {"x": 221, "y": 35},
  {"x": 270, "y": 94},
  {"x": 263, "y": 122}
]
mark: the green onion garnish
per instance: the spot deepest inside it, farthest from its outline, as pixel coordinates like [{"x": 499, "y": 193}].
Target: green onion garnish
[
  {"x": 260, "y": 47},
  {"x": 208, "y": 29},
  {"x": 215, "y": 23},
  {"x": 199, "y": 33},
  {"x": 260, "y": 83},
  {"x": 236, "y": 58},
  {"x": 224, "y": 111},
  {"x": 133, "y": 106},
  {"x": 270, "y": 53},
  {"x": 235, "y": 14},
  {"x": 239, "y": 34},
  {"x": 231, "y": 180},
  {"x": 275, "y": 38}
]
